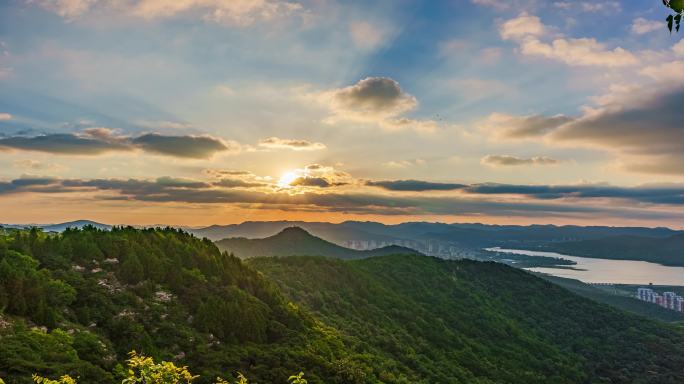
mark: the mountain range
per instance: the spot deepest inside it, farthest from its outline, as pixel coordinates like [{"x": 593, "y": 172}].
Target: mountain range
[
  {"x": 660, "y": 245},
  {"x": 667, "y": 251},
  {"x": 467, "y": 234},
  {"x": 294, "y": 241}
]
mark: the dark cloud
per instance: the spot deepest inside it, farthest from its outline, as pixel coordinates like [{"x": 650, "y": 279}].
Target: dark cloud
[
  {"x": 227, "y": 172},
  {"x": 521, "y": 127},
  {"x": 375, "y": 96},
  {"x": 648, "y": 194},
  {"x": 65, "y": 144},
  {"x": 311, "y": 182},
  {"x": 653, "y": 128},
  {"x": 542, "y": 199},
  {"x": 506, "y": 160},
  {"x": 414, "y": 185},
  {"x": 95, "y": 141},
  {"x": 197, "y": 147},
  {"x": 237, "y": 183},
  {"x": 32, "y": 181}
]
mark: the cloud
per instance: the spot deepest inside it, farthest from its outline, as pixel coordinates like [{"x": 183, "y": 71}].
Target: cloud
[
  {"x": 528, "y": 30},
  {"x": 496, "y": 4},
  {"x": 404, "y": 163},
  {"x": 236, "y": 12},
  {"x": 164, "y": 124},
  {"x": 373, "y": 97},
  {"x": 505, "y": 5},
  {"x": 603, "y": 6},
  {"x": 678, "y": 48},
  {"x": 227, "y": 172},
  {"x": 367, "y": 36},
  {"x": 96, "y": 141},
  {"x": 68, "y": 9},
  {"x": 521, "y": 127},
  {"x": 543, "y": 200},
  {"x": 579, "y": 52},
  {"x": 426, "y": 126},
  {"x": 294, "y": 144},
  {"x": 673, "y": 194},
  {"x": 641, "y": 26},
  {"x": 648, "y": 127},
  {"x": 5, "y": 116},
  {"x": 237, "y": 183},
  {"x": 506, "y": 160},
  {"x": 35, "y": 165},
  {"x": 375, "y": 100},
  {"x": 414, "y": 185},
  {"x": 196, "y": 147},
  {"x": 307, "y": 181},
  {"x": 315, "y": 175},
  {"x": 524, "y": 25},
  {"x": 62, "y": 144},
  {"x": 562, "y": 4},
  {"x": 593, "y": 7}
]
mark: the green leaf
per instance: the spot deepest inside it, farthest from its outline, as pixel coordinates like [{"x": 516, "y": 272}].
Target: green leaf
[{"x": 669, "y": 22}]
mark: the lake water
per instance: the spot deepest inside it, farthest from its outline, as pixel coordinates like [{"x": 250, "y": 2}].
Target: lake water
[{"x": 608, "y": 271}]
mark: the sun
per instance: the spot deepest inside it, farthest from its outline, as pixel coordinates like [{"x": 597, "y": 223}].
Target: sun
[{"x": 287, "y": 178}]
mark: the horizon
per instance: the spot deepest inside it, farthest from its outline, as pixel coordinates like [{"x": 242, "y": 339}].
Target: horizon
[
  {"x": 501, "y": 113},
  {"x": 161, "y": 225}
]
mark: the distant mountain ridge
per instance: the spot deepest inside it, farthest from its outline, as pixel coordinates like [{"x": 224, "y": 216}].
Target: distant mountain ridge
[
  {"x": 59, "y": 227},
  {"x": 456, "y": 240},
  {"x": 463, "y": 233},
  {"x": 467, "y": 233},
  {"x": 666, "y": 251},
  {"x": 295, "y": 241}
]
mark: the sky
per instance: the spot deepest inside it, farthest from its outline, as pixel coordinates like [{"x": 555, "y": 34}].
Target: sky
[{"x": 199, "y": 112}]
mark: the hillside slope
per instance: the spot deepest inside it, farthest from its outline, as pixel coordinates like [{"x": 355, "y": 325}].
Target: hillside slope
[
  {"x": 618, "y": 299},
  {"x": 294, "y": 241},
  {"x": 76, "y": 303},
  {"x": 471, "y": 322}
]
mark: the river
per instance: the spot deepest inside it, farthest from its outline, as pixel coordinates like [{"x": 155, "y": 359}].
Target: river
[{"x": 590, "y": 270}]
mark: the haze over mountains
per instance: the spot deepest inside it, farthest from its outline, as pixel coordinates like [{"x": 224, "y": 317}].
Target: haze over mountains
[
  {"x": 469, "y": 234},
  {"x": 660, "y": 245},
  {"x": 295, "y": 241}
]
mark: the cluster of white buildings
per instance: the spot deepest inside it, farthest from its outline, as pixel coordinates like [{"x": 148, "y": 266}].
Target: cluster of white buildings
[
  {"x": 428, "y": 247},
  {"x": 669, "y": 300}
]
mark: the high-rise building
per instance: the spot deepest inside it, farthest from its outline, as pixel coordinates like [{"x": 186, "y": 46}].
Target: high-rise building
[
  {"x": 646, "y": 294},
  {"x": 669, "y": 300}
]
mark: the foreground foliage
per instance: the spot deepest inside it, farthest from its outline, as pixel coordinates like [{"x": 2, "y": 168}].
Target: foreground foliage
[{"x": 142, "y": 369}]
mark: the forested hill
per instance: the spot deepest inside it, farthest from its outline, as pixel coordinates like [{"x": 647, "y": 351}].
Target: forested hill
[
  {"x": 77, "y": 302},
  {"x": 666, "y": 251},
  {"x": 472, "y": 322},
  {"x": 294, "y": 241}
]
